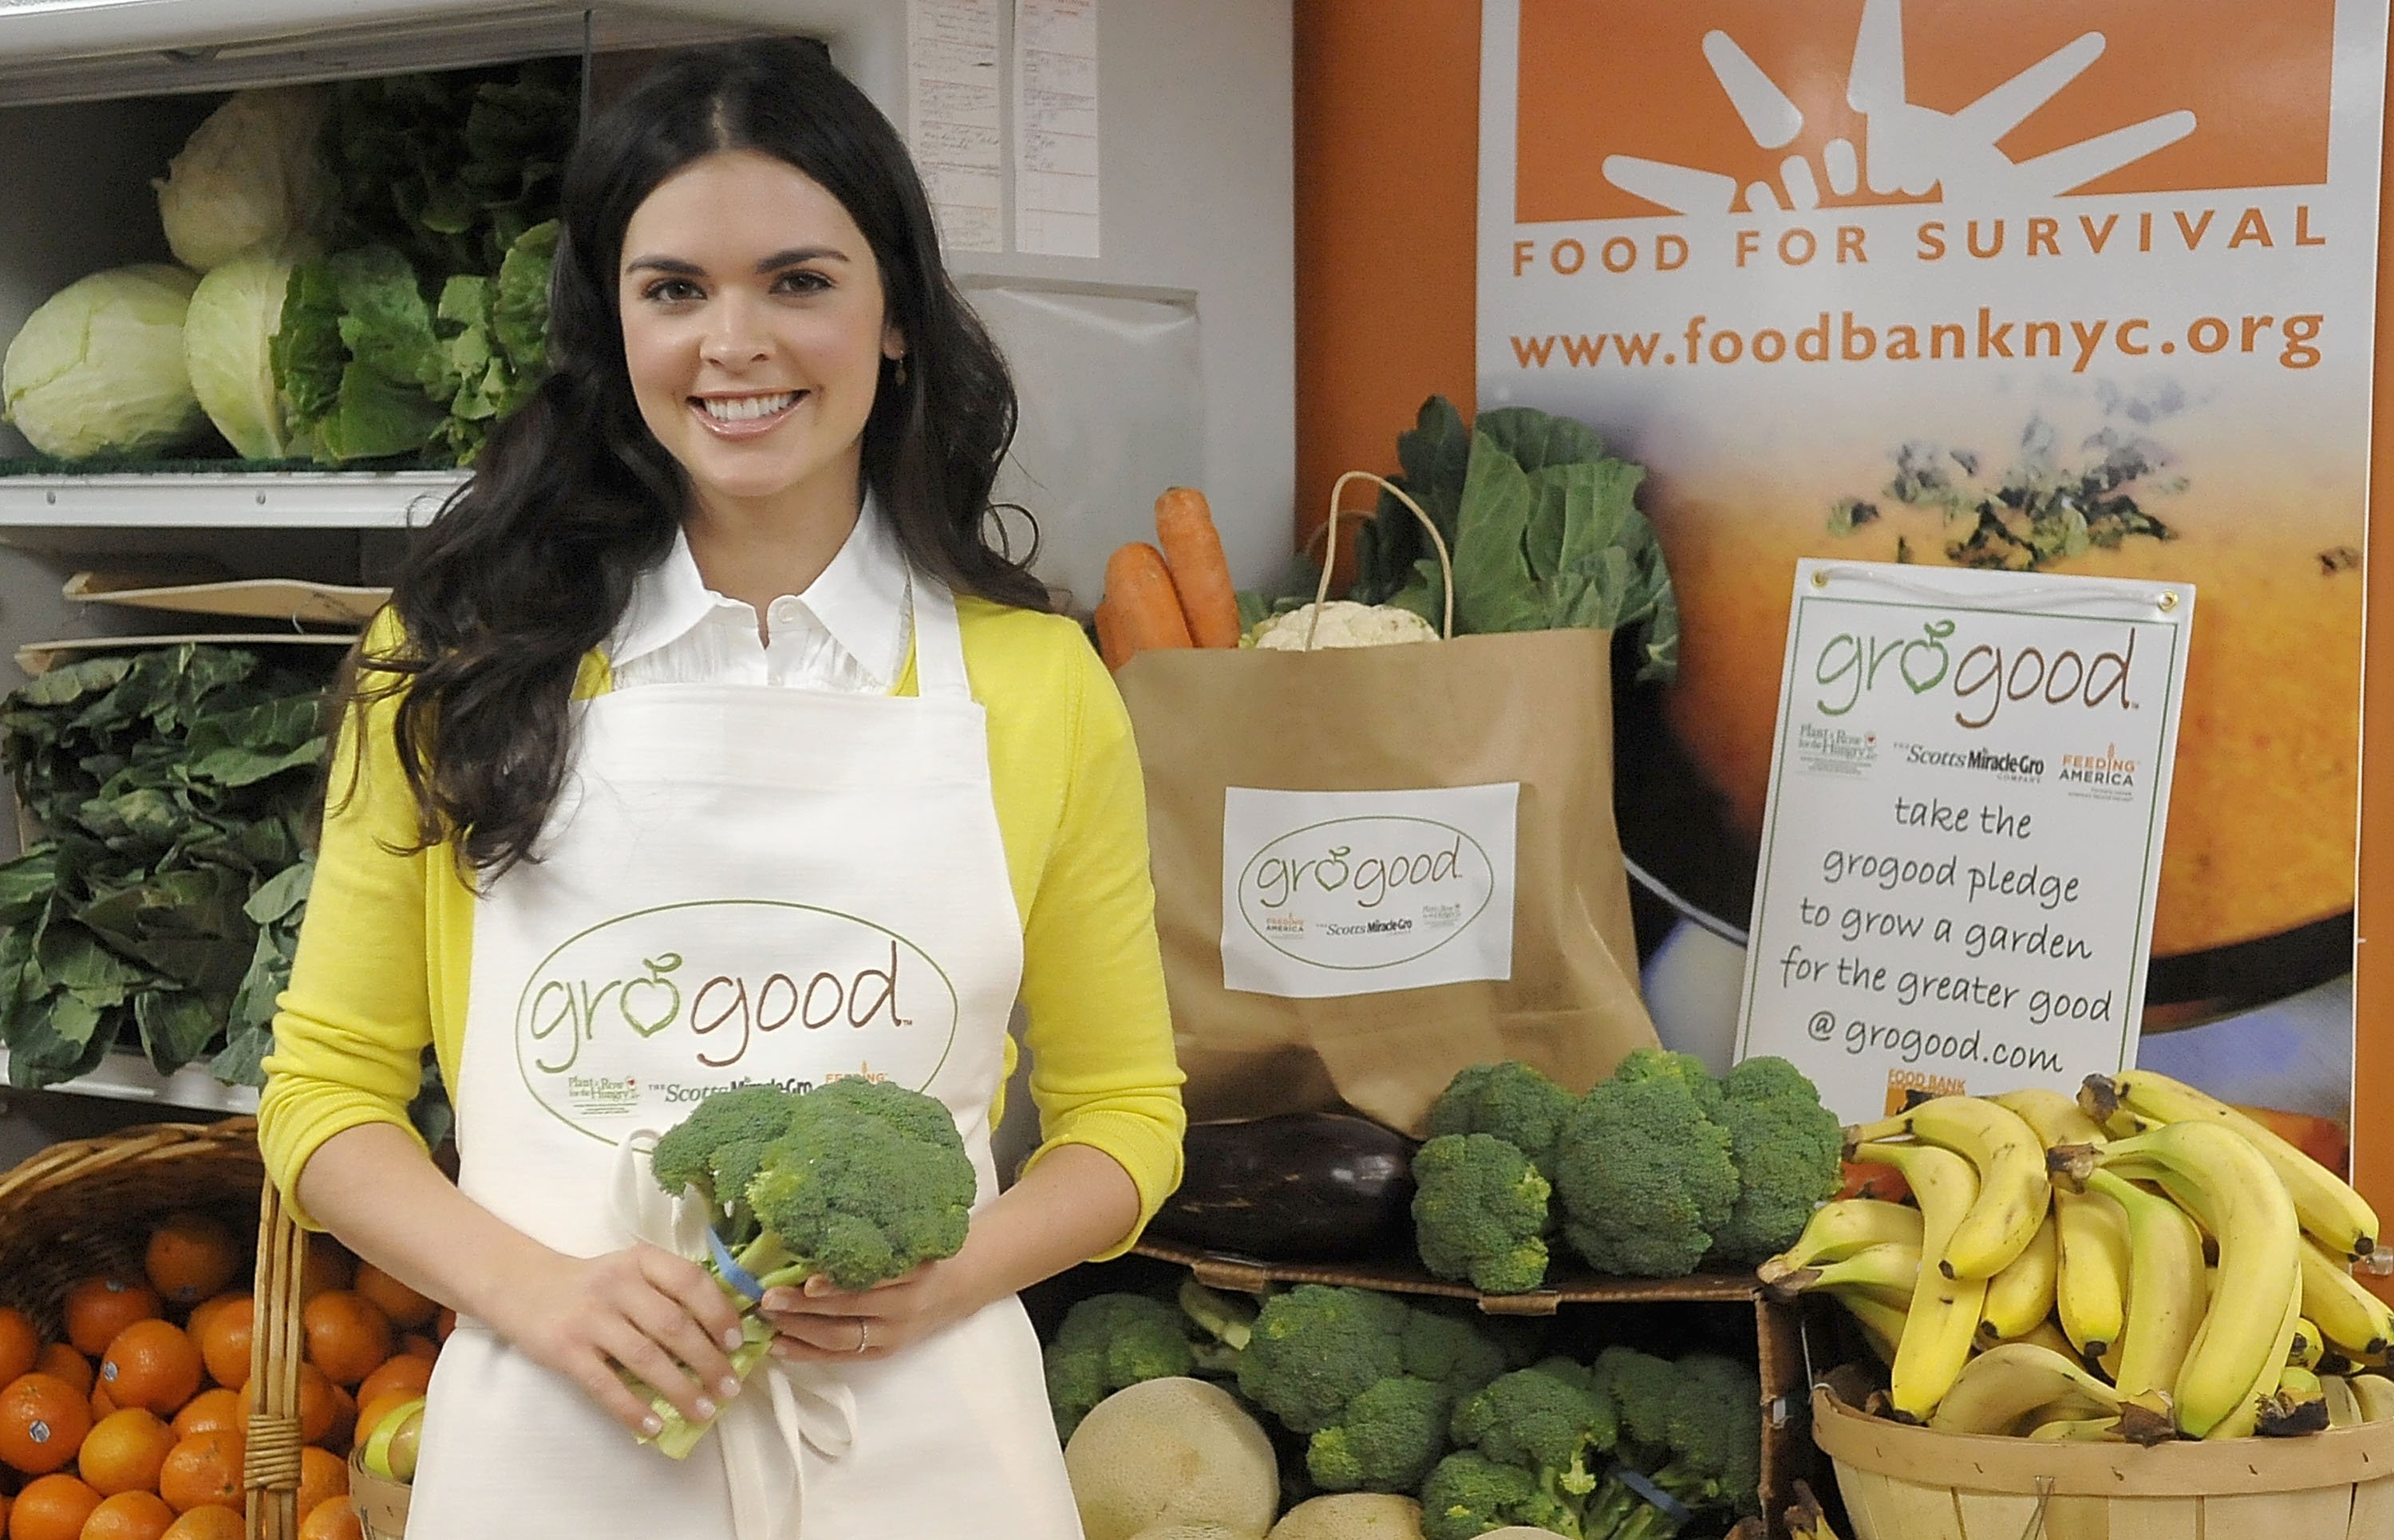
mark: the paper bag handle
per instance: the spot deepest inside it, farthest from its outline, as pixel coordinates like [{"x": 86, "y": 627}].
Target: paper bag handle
[{"x": 1438, "y": 542}]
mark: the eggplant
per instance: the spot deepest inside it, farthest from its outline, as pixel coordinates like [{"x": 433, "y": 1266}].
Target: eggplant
[{"x": 1298, "y": 1187}]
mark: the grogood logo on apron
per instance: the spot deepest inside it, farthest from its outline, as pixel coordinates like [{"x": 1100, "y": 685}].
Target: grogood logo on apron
[{"x": 683, "y": 977}]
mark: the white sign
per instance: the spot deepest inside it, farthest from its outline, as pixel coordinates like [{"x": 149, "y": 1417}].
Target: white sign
[
  {"x": 1336, "y": 893},
  {"x": 1962, "y": 836}
]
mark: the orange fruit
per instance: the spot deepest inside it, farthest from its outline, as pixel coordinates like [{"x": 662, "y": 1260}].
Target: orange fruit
[
  {"x": 211, "y": 1409},
  {"x": 417, "y": 1345},
  {"x": 130, "y": 1516},
  {"x": 332, "y": 1520},
  {"x": 20, "y": 1346},
  {"x": 323, "y": 1476},
  {"x": 101, "y": 1403},
  {"x": 202, "y": 1469},
  {"x": 224, "y": 1342},
  {"x": 318, "y": 1409},
  {"x": 407, "y": 1308},
  {"x": 42, "y": 1420},
  {"x": 413, "y": 1374},
  {"x": 96, "y": 1308},
  {"x": 327, "y": 1265},
  {"x": 153, "y": 1364},
  {"x": 345, "y": 1421},
  {"x": 206, "y": 1309},
  {"x": 125, "y": 1450},
  {"x": 63, "y": 1362},
  {"x": 52, "y": 1509},
  {"x": 347, "y": 1335},
  {"x": 191, "y": 1256},
  {"x": 209, "y": 1522}
]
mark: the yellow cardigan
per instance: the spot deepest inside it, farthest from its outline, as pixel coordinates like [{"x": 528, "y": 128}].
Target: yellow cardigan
[{"x": 387, "y": 947}]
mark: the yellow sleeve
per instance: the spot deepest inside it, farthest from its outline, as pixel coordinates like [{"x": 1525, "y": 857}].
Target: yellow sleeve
[
  {"x": 351, "y": 1028},
  {"x": 1102, "y": 1071}
]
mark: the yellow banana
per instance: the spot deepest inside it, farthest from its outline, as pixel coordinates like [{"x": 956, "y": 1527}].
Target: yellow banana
[
  {"x": 1805, "y": 1519},
  {"x": 2250, "y": 1322},
  {"x": 2308, "y": 1349},
  {"x": 2243, "y": 1421},
  {"x": 2013, "y": 1189},
  {"x": 1838, "y": 1230},
  {"x": 2331, "y": 1210},
  {"x": 1945, "y": 1316},
  {"x": 2375, "y": 1394},
  {"x": 2021, "y": 1294},
  {"x": 2046, "y": 1334},
  {"x": 2004, "y": 1385},
  {"x": 2343, "y": 1406},
  {"x": 2355, "y": 1320},
  {"x": 2169, "y": 1287},
  {"x": 2091, "y": 1286},
  {"x": 2056, "y": 1117},
  {"x": 1888, "y": 1272},
  {"x": 2298, "y": 1407},
  {"x": 2077, "y": 1430},
  {"x": 1881, "y": 1324}
]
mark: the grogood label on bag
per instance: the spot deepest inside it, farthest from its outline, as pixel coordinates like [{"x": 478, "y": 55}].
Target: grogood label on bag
[{"x": 1333, "y": 893}]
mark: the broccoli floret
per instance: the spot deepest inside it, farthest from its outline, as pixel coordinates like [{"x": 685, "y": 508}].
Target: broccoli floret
[
  {"x": 1317, "y": 1348},
  {"x": 858, "y": 1180},
  {"x": 1694, "y": 1427},
  {"x": 1644, "y": 1175},
  {"x": 1550, "y": 1420},
  {"x": 1787, "y": 1149},
  {"x": 1666, "y": 1064},
  {"x": 1510, "y": 1100},
  {"x": 1468, "y": 1494},
  {"x": 1107, "y": 1343},
  {"x": 1386, "y": 1439},
  {"x": 1463, "y": 1352},
  {"x": 717, "y": 1150},
  {"x": 1479, "y": 1212}
]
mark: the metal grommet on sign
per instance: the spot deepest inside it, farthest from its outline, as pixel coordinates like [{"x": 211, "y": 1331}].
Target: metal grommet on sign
[
  {"x": 1819, "y": 578},
  {"x": 2167, "y": 602}
]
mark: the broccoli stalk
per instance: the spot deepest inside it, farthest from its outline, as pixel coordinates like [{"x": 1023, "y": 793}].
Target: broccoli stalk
[{"x": 857, "y": 1180}]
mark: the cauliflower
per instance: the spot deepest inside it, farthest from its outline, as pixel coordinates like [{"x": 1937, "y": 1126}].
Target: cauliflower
[{"x": 1344, "y": 624}]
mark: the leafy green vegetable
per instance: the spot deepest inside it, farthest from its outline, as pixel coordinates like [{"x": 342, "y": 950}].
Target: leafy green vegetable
[
  {"x": 174, "y": 788},
  {"x": 98, "y": 368},
  {"x": 1542, "y": 526}
]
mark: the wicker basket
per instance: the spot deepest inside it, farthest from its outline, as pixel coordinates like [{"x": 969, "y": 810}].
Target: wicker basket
[
  {"x": 1913, "y": 1484},
  {"x": 381, "y": 1504}
]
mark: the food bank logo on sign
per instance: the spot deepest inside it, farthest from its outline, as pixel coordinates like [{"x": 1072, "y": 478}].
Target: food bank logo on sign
[
  {"x": 1749, "y": 106},
  {"x": 1333, "y": 893},
  {"x": 641, "y": 1014}
]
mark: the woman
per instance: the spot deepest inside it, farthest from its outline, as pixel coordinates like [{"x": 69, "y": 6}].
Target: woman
[{"x": 708, "y": 741}]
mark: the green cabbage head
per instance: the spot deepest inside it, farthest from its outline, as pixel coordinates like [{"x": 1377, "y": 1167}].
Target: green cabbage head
[
  {"x": 227, "y": 335},
  {"x": 99, "y": 368},
  {"x": 250, "y": 175}
]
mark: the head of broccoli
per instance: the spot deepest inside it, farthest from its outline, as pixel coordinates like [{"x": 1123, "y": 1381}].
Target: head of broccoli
[
  {"x": 870, "y": 1182},
  {"x": 1644, "y": 1173},
  {"x": 1384, "y": 1440},
  {"x": 716, "y": 1148},
  {"x": 1109, "y": 1342},
  {"x": 1315, "y": 1348},
  {"x": 1788, "y": 1151},
  {"x": 1692, "y": 1427},
  {"x": 1551, "y": 1419},
  {"x": 1468, "y": 1494},
  {"x": 1669, "y": 1064},
  {"x": 1513, "y": 1100},
  {"x": 1479, "y": 1213}
]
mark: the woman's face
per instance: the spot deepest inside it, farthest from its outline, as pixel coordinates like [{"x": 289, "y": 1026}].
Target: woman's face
[{"x": 753, "y": 328}]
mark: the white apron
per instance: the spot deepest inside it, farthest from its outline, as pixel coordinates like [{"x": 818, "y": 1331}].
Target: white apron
[{"x": 743, "y": 883}]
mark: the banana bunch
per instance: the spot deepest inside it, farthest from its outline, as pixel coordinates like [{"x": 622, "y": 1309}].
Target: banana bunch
[{"x": 2138, "y": 1262}]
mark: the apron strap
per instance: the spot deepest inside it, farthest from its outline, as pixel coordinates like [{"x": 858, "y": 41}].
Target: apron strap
[
  {"x": 939, "y": 643},
  {"x": 786, "y": 1409}
]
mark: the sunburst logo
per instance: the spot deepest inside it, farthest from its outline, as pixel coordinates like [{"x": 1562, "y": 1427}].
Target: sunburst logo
[{"x": 1730, "y": 107}]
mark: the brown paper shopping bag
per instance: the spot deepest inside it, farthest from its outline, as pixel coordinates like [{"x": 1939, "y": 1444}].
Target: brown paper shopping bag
[{"x": 1374, "y": 866}]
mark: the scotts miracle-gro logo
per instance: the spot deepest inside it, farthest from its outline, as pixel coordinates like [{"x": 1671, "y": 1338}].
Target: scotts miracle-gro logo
[
  {"x": 677, "y": 995},
  {"x": 1984, "y": 679},
  {"x": 1366, "y": 892}
]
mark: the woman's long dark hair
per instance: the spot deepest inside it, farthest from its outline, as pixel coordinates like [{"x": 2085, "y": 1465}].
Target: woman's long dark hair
[{"x": 531, "y": 564}]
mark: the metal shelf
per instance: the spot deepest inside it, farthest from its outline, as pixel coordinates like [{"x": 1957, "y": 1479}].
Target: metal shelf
[
  {"x": 129, "y": 1078},
  {"x": 273, "y": 499}
]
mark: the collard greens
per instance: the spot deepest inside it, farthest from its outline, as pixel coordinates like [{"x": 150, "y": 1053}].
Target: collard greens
[
  {"x": 174, "y": 786},
  {"x": 1542, "y": 526}
]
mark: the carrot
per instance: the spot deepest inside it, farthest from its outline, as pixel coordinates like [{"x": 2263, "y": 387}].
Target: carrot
[
  {"x": 1146, "y": 606},
  {"x": 1110, "y": 634},
  {"x": 1192, "y": 548}
]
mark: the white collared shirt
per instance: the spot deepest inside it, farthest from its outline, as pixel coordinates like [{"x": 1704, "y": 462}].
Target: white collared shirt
[{"x": 848, "y": 631}]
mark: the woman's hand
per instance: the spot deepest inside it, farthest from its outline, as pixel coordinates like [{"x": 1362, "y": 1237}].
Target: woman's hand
[
  {"x": 823, "y": 1323},
  {"x": 663, "y": 1318}
]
